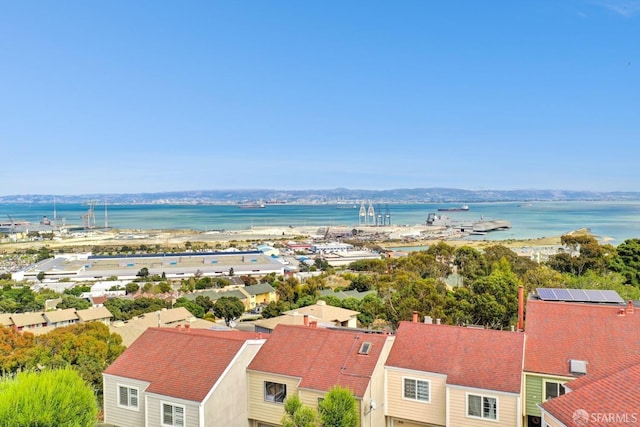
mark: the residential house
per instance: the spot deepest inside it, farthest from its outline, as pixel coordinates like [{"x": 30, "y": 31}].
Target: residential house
[
  {"x": 216, "y": 295},
  {"x": 308, "y": 361},
  {"x": 181, "y": 377},
  {"x": 59, "y": 318},
  {"x": 28, "y": 321},
  {"x": 329, "y": 314},
  {"x": 606, "y": 397},
  {"x": 5, "y": 319},
  {"x": 267, "y": 326},
  {"x": 566, "y": 340},
  {"x": 179, "y": 316},
  {"x": 454, "y": 376},
  {"x": 95, "y": 314},
  {"x": 262, "y": 293}
]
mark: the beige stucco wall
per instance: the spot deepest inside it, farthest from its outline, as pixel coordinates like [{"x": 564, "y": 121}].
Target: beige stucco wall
[
  {"x": 550, "y": 421},
  {"x": 119, "y": 416},
  {"x": 433, "y": 412},
  {"x": 508, "y": 408},
  {"x": 154, "y": 410},
  {"x": 227, "y": 404},
  {"x": 261, "y": 410}
]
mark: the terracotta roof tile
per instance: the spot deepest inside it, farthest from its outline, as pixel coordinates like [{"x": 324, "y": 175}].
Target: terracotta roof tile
[
  {"x": 610, "y": 392},
  {"x": 179, "y": 363},
  {"x": 471, "y": 357},
  {"x": 560, "y": 331},
  {"x": 321, "y": 358}
]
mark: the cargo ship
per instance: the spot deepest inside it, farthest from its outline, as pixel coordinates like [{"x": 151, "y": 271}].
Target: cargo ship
[{"x": 462, "y": 208}]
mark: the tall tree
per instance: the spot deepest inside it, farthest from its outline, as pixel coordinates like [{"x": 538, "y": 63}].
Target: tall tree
[{"x": 228, "y": 308}]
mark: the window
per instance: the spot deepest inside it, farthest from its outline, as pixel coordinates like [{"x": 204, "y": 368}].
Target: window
[
  {"x": 172, "y": 415},
  {"x": 128, "y": 397},
  {"x": 553, "y": 389},
  {"x": 275, "y": 392},
  {"x": 416, "y": 389},
  {"x": 482, "y": 407}
]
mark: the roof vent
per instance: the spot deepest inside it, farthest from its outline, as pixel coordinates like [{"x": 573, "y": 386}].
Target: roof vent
[
  {"x": 578, "y": 366},
  {"x": 365, "y": 348}
]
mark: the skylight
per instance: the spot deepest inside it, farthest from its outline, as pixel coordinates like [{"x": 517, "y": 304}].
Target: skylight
[{"x": 365, "y": 348}]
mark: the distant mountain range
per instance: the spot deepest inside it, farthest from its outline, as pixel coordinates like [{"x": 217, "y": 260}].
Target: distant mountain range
[{"x": 337, "y": 195}]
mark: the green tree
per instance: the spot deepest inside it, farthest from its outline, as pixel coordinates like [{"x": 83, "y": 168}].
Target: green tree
[
  {"x": 339, "y": 408},
  {"x": 627, "y": 261},
  {"x": 70, "y": 301},
  {"x": 298, "y": 415},
  {"x": 47, "y": 398},
  {"x": 77, "y": 290},
  {"x": 131, "y": 288},
  {"x": 191, "y": 306},
  {"x": 275, "y": 308},
  {"x": 143, "y": 273},
  {"x": 228, "y": 308},
  {"x": 87, "y": 347}
]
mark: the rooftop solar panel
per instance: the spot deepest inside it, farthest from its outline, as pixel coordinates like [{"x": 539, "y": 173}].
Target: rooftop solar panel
[
  {"x": 546, "y": 294},
  {"x": 612, "y": 296},
  {"x": 563, "y": 295},
  {"x": 579, "y": 295},
  {"x": 595, "y": 295}
]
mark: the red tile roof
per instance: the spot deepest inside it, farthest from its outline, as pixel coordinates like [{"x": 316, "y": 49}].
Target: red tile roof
[
  {"x": 180, "y": 363},
  {"x": 321, "y": 358},
  {"x": 471, "y": 357},
  {"x": 99, "y": 299},
  {"x": 610, "y": 391},
  {"x": 558, "y": 332}
]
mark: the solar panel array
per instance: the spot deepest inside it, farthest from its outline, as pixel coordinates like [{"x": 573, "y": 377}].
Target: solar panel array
[{"x": 579, "y": 295}]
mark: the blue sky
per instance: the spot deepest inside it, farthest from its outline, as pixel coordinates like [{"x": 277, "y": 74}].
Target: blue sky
[{"x": 148, "y": 96}]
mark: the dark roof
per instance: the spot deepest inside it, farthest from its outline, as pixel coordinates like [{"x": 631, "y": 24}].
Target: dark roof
[
  {"x": 260, "y": 288},
  {"x": 467, "y": 356}
]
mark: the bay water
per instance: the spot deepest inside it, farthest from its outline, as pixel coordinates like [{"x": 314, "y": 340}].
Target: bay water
[{"x": 612, "y": 222}]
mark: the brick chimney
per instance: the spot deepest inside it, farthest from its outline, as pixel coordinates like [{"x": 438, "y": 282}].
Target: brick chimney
[
  {"x": 313, "y": 324},
  {"x": 630, "y": 307},
  {"x": 306, "y": 320},
  {"x": 521, "y": 308},
  {"x": 415, "y": 317}
]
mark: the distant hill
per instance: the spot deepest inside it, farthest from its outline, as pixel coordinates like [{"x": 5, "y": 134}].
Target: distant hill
[{"x": 337, "y": 195}]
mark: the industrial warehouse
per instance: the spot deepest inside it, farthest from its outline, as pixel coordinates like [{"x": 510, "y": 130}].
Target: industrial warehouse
[{"x": 87, "y": 267}]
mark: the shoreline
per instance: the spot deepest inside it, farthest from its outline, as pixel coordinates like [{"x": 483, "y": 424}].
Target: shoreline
[{"x": 387, "y": 237}]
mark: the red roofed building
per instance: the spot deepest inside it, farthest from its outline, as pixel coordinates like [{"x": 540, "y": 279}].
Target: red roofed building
[
  {"x": 566, "y": 340},
  {"x": 181, "y": 377},
  {"x": 308, "y": 361},
  {"x": 440, "y": 375},
  {"x": 607, "y": 397}
]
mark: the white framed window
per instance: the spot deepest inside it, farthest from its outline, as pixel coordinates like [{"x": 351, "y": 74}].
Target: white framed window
[
  {"x": 128, "y": 397},
  {"x": 485, "y": 407},
  {"x": 172, "y": 415},
  {"x": 414, "y": 389},
  {"x": 553, "y": 389},
  {"x": 275, "y": 392}
]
